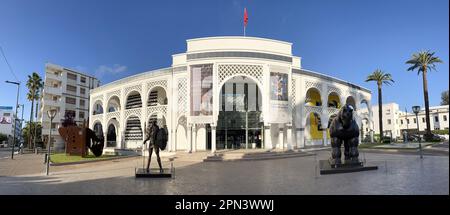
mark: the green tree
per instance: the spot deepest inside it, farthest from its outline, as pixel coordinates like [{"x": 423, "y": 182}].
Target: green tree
[
  {"x": 3, "y": 137},
  {"x": 34, "y": 85},
  {"x": 444, "y": 98},
  {"x": 380, "y": 78},
  {"x": 29, "y": 129},
  {"x": 424, "y": 61}
]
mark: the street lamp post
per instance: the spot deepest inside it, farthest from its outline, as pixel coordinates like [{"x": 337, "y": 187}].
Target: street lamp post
[
  {"x": 416, "y": 110},
  {"x": 51, "y": 114},
  {"x": 15, "y": 121}
]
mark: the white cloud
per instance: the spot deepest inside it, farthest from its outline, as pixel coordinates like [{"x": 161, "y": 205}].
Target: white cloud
[{"x": 115, "y": 69}]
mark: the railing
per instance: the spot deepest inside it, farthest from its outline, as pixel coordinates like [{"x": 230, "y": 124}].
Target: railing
[
  {"x": 53, "y": 90},
  {"x": 53, "y": 76}
]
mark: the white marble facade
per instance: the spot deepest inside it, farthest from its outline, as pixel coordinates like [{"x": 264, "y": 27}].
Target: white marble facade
[{"x": 164, "y": 95}]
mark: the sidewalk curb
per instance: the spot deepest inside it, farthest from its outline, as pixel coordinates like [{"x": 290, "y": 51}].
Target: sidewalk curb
[{"x": 92, "y": 161}]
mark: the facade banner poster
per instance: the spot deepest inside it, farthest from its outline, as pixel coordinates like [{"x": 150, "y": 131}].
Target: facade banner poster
[
  {"x": 5, "y": 120},
  {"x": 279, "y": 98},
  {"x": 201, "y": 92}
]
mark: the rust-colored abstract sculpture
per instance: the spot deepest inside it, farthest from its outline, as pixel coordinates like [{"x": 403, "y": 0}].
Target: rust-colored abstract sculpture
[{"x": 78, "y": 141}]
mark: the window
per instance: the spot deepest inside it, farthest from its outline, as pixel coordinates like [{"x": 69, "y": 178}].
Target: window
[
  {"x": 70, "y": 113},
  {"x": 407, "y": 121},
  {"x": 401, "y": 121},
  {"x": 70, "y": 100},
  {"x": 436, "y": 118},
  {"x": 54, "y": 125},
  {"x": 445, "y": 118},
  {"x": 81, "y": 115},
  {"x": 389, "y": 121},
  {"x": 83, "y": 79},
  {"x": 388, "y": 112},
  {"x": 415, "y": 121},
  {"x": 55, "y": 98},
  {"x": 423, "y": 119},
  {"x": 82, "y": 102},
  {"x": 71, "y": 76},
  {"x": 82, "y": 91},
  {"x": 71, "y": 88}
]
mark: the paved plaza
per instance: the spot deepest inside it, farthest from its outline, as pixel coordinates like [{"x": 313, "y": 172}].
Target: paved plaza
[{"x": 397, "y": 174}]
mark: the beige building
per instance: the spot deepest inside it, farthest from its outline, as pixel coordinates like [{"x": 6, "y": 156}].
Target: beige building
[{"x": 67, "y": 91}]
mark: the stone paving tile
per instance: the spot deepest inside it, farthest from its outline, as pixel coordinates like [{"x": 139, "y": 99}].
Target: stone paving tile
[{"x": 397, "y": 174}]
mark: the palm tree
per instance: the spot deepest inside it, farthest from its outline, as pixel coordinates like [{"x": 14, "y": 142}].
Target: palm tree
[
  {"x": 34, "y": 84},
  {"x": 381, "y": 78},
  {"x": 424, "y": 61}
]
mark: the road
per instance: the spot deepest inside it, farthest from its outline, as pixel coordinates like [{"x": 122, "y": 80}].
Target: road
[{"x": 397, "y": 174}]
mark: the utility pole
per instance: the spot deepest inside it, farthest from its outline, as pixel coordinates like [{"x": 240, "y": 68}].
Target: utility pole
[
  {"x": 35, "y": 123},
  {"x": 21, "y": 127},
  {"x": 15, "y": 120}
]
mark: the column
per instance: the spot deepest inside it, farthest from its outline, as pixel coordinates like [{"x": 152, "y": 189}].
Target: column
[
  {"x": 302, "y": 137},
  {"x": 105, "y": 140},
  {"x": 267, "y": 137},
  {"x": 194, "y": 138},
  {"x": 325, "y": 137},
  {"x": 189, "y": 138},
  {"x": 213, "y": 138},
  {"x": 290, "y": 137},
  {"x": 171, "y": 140},
  {"x": 281, "y": 138}
]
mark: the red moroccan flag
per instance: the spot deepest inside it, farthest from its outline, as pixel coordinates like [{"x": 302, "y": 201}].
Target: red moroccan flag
[{"x": 245, "y": 17}]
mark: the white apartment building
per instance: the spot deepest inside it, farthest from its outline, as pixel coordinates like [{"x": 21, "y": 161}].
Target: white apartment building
[
  {"x": 67, "y": 91},
  {"x": 396, "y": 121}
]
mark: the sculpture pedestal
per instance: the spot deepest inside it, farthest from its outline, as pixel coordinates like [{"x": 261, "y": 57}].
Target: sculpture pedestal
[
  {"x": 154, "y": 173},
  {"x": 329, "y": 167}
]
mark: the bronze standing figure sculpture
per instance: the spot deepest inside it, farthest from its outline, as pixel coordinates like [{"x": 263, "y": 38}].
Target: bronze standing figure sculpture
[
  {"x": 344, "y": 130},
  {"x": 157, "y": 138}
]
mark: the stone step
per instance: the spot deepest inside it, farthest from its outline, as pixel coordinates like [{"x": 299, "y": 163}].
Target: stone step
[{"x": 254, "y": 156}]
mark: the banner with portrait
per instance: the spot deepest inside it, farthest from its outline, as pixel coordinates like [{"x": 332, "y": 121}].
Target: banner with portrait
[
  {"x": 279, "y": 97},
  {"x": 201, "y": 92},
  {"x": 5, "y": 120}
]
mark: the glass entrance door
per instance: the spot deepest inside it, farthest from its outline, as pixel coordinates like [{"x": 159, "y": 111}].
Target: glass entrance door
[{"x": 239, "y": 122}]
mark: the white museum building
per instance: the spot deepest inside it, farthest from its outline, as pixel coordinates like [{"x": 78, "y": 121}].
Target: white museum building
[{"x": 226, "y": 93}]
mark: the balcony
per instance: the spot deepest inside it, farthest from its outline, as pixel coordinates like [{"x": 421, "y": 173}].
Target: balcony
[
  {"x": 46, "y": 119},
  {"x": 52, "y": 90},
  {"x": 53, "y": 103},
  {"x": 53, "y": 76}
]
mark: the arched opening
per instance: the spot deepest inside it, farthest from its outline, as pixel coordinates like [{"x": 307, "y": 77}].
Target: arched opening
[
  {"x": 158, "y": 118},
  {"x": 133, "y": 131},
  {"x": 157, "y": 96},
  {"x": 239, "y": 122},
  {"x": 181, "y": 132},
  {"x": 111, "y": 136},
  {"x": 313, "y": 97},
  {"x": 365, "y": 131},
  {"x": 98, "y": 129},
  {"x": 366, "y": 126},
  {"x": 351, "y": 101},
  {"x": 113, "y": 104},
  {"x": 314, "y": 129},
  {"x": 98, "y": 108},
  {"x": 330, "y": 119},
  {"x": 133, "y": 100},
  {"x": 334, "y": 101}
]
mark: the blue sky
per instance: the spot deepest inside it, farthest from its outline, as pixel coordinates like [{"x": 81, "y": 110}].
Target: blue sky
[{"x": 113, "y": 39}]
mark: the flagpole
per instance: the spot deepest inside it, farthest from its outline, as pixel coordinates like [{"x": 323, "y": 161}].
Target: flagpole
[{"x": 244, "y": 30}]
